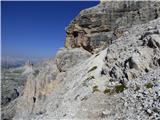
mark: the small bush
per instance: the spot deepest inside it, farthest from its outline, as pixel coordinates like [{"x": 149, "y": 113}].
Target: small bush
[
  {"x": 106, "y": 91},
  {"x": 149, "y": 85},
  {"x": 119, "y": 88},
  {"x": 95, "y": 67},
  {"x": 95, "y": 88}
]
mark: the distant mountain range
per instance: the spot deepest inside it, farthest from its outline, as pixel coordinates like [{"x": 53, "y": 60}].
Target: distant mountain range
[{"x": 14, "y": 61}]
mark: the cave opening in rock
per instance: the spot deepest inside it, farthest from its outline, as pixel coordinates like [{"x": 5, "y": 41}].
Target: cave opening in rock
[{"x": 75, "y": 34}]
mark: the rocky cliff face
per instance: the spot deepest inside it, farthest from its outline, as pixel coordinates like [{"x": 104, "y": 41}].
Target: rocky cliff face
[
  {"x": 119, "y": 81},
  {"x": 95, "y": 28},
  {"x": 13, "y": 81},
  {"x": 45, "y": 79}
]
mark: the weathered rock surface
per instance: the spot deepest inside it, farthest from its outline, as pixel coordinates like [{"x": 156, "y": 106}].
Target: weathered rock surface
[
  {"x": 95, "y": 28},
  {"x": 12, "y": 86},
  {"x": 44, "y": 80},
  {"x": 66, "y": 59},
  {"x": 120, "y": 82}
]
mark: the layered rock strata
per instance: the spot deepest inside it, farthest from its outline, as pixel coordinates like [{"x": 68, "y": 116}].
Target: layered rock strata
[{"x": 96, "y": 28}]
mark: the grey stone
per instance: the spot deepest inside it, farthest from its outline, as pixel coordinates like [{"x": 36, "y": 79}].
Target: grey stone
[
  {"x": 112, "y": 19},
  {"x": 66, "y": 59},
  {"x": 121, "y": 81}
]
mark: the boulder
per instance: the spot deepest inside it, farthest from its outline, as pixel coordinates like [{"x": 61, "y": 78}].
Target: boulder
[{"x": 67, "y": 58}]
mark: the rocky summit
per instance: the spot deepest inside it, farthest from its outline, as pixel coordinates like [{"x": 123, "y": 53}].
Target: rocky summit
[{"x": 109, "y": 68}]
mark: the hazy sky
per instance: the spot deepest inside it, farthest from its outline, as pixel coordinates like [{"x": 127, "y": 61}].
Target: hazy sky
[{"x": 36, "y": 29}]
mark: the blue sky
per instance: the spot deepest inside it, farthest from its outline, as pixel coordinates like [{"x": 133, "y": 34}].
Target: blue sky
[{"x": 36, "y": 29}]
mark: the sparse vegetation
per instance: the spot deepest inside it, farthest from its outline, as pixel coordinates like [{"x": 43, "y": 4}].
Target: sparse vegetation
[
  {"x": 93, "y": 68},
  {"x": 119, "y": 88},
  {"x": 106, "y": 91},
  {"x": 95, "y": 89},
  {"x": 149, "y": 85}
]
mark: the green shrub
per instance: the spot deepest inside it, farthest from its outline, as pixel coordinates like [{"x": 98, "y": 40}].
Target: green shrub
[
  {"x": 106, "y": 91},
  {"x": 149, "y": 85},
  {"x": 95, "y": 88},
  {"x": 119, "y": 88}
]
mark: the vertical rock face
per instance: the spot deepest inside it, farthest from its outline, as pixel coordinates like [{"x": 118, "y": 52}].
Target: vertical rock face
[
  {"x": 38, "y": 86},
  {"x": 13, "y": 83},
  {"x": 95, "y": 28},
  {"x": 44, "y": 81}
]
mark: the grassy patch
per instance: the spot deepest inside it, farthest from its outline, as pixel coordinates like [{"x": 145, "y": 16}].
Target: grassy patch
[
  {"x": 93, "y": 68},
  {"x": 149, "y": 85}
]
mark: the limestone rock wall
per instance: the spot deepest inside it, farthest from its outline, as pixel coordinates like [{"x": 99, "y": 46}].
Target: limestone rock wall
[
  {"x": 66, "y": 59},
  {"x": 95, "y": 28},
  {"x": 120, "y": 82},
  {"x": 44, "y": 81}
]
